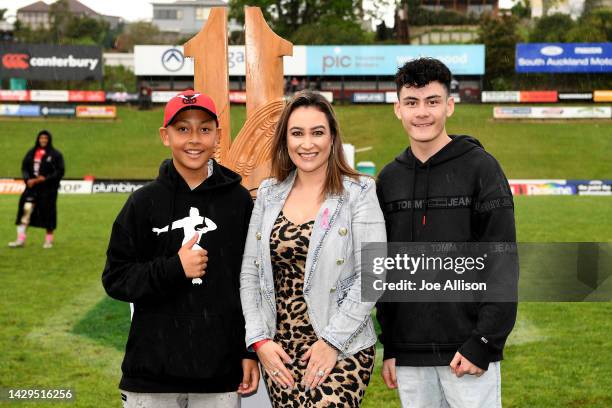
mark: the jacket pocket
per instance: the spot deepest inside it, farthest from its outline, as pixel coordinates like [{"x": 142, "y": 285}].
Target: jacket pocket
[
  {"x": 195, "y": 347},
  {"x": 342, "y": 288}
]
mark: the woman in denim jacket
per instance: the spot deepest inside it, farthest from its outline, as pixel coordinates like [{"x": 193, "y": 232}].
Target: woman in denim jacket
[{"x": 300, "y": 283}]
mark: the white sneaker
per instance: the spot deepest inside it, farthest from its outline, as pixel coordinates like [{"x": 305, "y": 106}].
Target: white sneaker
[
  {"x": 48, "y": 245},
  {"x": 16, "y": 244}
]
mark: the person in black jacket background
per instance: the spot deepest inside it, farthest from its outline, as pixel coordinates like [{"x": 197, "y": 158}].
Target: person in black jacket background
[
  {"x": 443, "y": 188},
  {"x": 175, "y": 252},
  {"x": 42, "y": 169}
]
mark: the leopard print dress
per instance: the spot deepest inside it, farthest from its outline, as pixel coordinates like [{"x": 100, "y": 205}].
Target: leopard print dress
[{"x": 347, "y": 382}]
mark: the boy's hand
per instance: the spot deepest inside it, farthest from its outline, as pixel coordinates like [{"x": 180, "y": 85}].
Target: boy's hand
[
  {"x": 461, "y": 365},
  {"x": 389, "y": 373},
  {"x": 194, "y": 261},
  {"x": 250, "y": 377}
]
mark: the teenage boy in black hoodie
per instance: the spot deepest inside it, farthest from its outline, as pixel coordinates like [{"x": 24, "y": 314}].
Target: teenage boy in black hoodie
[
  {"x": 175, "y": 252},
  {"x": 442, "y": 354}
]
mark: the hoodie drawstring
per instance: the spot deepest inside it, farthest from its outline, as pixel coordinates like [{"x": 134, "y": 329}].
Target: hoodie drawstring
[
  {"x": 424, "y": 222},
  {"x": 412, "y": 202}
]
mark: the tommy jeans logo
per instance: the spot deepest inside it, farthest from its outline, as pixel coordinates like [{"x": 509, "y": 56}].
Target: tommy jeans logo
[
  {"x": 15, "y": 61},
  {"x": 437, "y": 202}
]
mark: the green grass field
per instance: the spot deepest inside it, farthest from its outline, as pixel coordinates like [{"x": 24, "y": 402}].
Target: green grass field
[
  {"x": 59, "y": 329},
  {"x": 130, "y": 148}
]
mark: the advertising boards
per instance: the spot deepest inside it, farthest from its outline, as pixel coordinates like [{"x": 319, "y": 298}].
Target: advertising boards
[
  {"x": 50, "y": 62},
  {"x": 501, "y": 96},
  {"x": 349, "y": 60},
  {"x": 552, "y": 112},
  {"x": 369, "y": 97},
  {"x": 14, "y": 96},
  {"x": 97, "y": 112},
  {"x": 575, "y": 96},
  {"x": 19, "y": 110},
  {"x": 51, "y": 110},
  {"x": 538, "y": 96},
  {"x": 564, "y": 57},
  {"x": 602, "y": 96}
]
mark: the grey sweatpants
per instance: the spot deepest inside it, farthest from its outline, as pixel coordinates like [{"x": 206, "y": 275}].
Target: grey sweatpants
[
  {"x": 162, "y": 400},
  {"x": 438, "y": 387}
]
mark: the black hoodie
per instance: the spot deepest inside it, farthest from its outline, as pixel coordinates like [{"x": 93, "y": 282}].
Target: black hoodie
[
  {"x": 183, "y": 337},
  {"x": 459, "y": 195},
  {"x": 43, "y": 194}
]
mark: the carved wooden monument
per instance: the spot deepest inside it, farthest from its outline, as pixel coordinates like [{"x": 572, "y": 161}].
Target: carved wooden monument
[{"x": 249, "y": 154}]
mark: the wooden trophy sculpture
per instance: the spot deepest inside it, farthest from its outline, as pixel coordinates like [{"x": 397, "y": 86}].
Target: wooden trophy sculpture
[{"x": 249, "y": 154}]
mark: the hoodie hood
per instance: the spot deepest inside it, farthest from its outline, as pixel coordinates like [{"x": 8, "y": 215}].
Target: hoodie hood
[
  {"x": 49, "y": 145},
  {"x": 458, "y": 146},
  {"x": 221, "y": 177}
]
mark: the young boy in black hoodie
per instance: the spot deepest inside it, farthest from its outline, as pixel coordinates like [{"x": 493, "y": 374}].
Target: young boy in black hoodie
[
  {"x": 442, "y": 188},
  {"x": 175, "y": 252}
]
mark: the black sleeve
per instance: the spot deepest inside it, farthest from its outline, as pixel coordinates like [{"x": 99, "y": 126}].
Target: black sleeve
[
  {"x": 382, "y": 308},
  {"x": 58, "y": 169},
  {"x": 493, "y": 222},
  {"x": 26, "y": 167},
  {"x": 245, "y": 228},
  {"x": 128, "y": 278}
]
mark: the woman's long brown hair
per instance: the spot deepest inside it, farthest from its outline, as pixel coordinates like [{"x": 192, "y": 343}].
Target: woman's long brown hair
[{"x": 337, "y": 167}]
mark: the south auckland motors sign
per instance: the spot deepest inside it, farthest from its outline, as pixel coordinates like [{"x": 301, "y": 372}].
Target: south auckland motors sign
[
  {"x": 564, "y": 57},
  {"x": 51, "y": 62}
]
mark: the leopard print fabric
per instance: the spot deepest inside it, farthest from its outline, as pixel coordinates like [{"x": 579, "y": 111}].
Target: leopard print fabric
[{"x": 347, "y": 382}]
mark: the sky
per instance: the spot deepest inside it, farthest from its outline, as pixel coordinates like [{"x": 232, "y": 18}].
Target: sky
[{"x": 133, "y": 10}]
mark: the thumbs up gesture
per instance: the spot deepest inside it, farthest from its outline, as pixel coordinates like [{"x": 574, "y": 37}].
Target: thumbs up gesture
[{"x": 194, "y": 261}]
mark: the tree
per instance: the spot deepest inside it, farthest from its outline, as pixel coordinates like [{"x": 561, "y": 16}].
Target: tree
[
  {"x": 595, "y": 26},
  {"x": 521, "y": 9},
  {"x": 24, "y": 34},
  {"x": 2, "y": 14},
  {"x": 140, "y": 32},
  {"x": 553, "y": 28},
  {"x": 59, "y": 16},
  {"x": 499, "y": 35},
  {"x": 341, "y": 31},
  {"x": 85, "y": 30},
  {"x": 299, "y": 20}
]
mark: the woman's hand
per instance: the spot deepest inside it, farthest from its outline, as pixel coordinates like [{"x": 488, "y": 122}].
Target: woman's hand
[
  {"x": 273, "y": 358},
  {"x": 321, "y": 359}
]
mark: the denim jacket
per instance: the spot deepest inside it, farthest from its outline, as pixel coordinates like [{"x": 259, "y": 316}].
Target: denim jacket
[{"x": 332, "y": 281}]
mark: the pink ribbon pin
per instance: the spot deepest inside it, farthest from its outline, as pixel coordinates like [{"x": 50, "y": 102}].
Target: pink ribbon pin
[{"x": 325, "y": 220}]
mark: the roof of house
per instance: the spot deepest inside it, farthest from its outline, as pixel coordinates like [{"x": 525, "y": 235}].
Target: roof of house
[
  {"x": 39, "y": 6},
  {"x": 206, "y": 3},
  {"x": 79, "y": 8},
  {"x": 74, "y": 6}
]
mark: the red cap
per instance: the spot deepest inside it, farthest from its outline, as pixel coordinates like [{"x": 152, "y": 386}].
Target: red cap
[{"x": 189, "y": 100}]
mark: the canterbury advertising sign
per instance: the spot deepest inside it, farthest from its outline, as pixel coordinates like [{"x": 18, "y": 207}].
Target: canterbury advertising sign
[{"x": 51, "y": 62}]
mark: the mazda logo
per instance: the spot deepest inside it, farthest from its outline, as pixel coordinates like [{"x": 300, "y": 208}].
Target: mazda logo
[
  {"x": 15, "y": 61},
  {"x": 173, "y": 60}
]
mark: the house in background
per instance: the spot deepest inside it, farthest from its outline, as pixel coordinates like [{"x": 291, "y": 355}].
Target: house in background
[
  {"x": 186, "y": 17},
  {"x": 36, "y": 15},
  {"x": 473, "y": 7}
]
